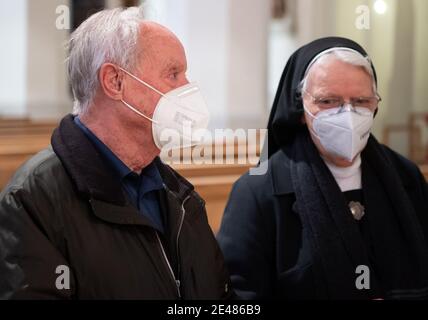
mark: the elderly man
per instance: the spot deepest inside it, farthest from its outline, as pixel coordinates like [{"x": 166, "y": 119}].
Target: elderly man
[
  {"x": 338, "y": 215},
  {"x": 97, "y": 214}
]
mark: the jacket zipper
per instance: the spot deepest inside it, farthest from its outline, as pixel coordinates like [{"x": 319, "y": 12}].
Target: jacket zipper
[
  {"x": 177, "y": 282},
  {"x": 183, "y": 213}
]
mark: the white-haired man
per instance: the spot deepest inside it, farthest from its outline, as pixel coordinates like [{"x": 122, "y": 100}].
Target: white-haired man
[{"x": 97, "y": 214}]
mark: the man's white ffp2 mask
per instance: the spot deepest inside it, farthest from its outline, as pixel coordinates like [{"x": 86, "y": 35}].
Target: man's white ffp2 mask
[
  {"x": 179, "y": 113},
  {"x": 343, "y": 131}
]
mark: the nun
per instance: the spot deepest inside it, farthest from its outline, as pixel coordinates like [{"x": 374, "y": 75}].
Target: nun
[{"x": 337, "y": 215}]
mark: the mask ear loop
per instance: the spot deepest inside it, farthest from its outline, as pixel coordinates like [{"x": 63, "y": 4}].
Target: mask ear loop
[
  {"x": 131, "y": 107},
  {"x": 156, "y": 90},
  {"x": 143, "y": 82},
  {"x": 313, "y": 118},
  {"x": 139, "y": 112}
]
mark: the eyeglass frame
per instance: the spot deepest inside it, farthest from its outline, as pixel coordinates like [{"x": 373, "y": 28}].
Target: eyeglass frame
[{"x": 343, "y": 102}]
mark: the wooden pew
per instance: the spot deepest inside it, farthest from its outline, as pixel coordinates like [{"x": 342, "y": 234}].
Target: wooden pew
[
  {"x": 15, "y": 150},
  {"x": 213, "y": 183},
  {"x": 19, "y": 140}
]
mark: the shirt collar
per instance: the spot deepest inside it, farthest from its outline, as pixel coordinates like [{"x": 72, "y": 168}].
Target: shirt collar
[{"x": 152, "y": 178}]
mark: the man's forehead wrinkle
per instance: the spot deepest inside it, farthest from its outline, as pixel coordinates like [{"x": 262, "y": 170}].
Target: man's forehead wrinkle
[
  {"x": 149, "y": 50},
  {"x": 152, "y": 36},
  {"x": 154, "y": 41}
]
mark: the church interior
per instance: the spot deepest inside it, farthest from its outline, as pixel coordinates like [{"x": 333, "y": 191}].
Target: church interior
[{"x": 236, "y": 50}]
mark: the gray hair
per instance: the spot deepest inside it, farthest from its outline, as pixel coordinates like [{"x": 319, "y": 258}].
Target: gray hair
[
  {"x": 346, "y": 55},
  {"x": 107, "y": 36}
]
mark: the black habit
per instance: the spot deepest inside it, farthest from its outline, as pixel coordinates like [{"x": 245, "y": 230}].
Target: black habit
[{"x": 290, "y": 234}]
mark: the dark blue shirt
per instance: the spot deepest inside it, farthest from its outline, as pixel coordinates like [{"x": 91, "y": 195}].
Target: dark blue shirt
[{"x": 141, "y": 189}]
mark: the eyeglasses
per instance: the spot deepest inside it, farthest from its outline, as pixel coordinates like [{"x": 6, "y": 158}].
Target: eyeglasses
[{"x": 338, "y": 102}]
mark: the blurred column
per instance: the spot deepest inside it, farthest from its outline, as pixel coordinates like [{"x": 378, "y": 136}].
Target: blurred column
[
  {"x": 401, "y": 84},
  {"x": 247, "y": 66},
  {"x": 13, "y": 34},
  {"x": 400, "y": 87},
  {"x": 315, "y": 19},
  {"x": 282, "y": 44},
  {"x": 48, "y": 94},
  {"x": 420, "y": 56}
]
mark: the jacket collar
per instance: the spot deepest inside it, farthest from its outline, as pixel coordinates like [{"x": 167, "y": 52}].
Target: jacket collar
[{"x": 91, "y": 175}]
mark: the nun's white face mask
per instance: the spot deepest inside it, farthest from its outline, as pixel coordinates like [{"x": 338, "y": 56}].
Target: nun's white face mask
[
  {"x": 343, "y": 131},
  {"x": 342, "y": 128}
]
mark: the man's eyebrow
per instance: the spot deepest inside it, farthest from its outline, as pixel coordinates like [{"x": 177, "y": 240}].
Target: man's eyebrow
[{"x": 172, "y": 65}]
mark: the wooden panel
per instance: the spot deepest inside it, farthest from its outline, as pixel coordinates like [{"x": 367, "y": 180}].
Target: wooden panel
[
  {"x": 215, "y": 190},
  {"x": 424, "y": 169},
  {"x": 212, "y": 181}
]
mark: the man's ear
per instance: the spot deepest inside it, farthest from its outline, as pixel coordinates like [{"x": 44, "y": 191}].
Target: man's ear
[{"x": 110, "y": 79}]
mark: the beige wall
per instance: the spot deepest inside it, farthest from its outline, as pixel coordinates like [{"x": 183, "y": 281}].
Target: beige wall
[
  {"x": 13, "y": 16},
  {"x": 378, "y": 41},
  {"x": 47, "y": 85},
  {"x": 421, "y": 56}
]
